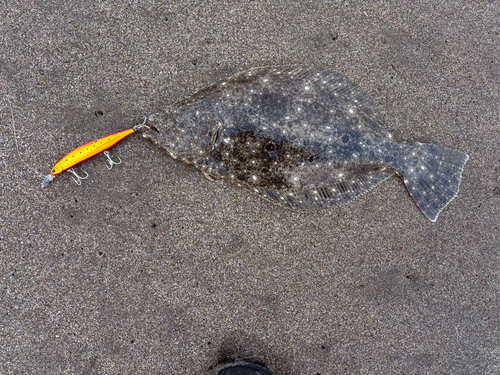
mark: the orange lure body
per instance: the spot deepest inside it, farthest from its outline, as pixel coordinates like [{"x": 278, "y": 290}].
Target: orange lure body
[{"x": 85, "y": 152}]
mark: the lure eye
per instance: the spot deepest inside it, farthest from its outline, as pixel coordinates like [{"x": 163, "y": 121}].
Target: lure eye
[{"x": 53, "y": 171}]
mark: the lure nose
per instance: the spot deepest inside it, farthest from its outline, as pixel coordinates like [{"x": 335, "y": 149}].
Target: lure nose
[{"x": 47, "y": 179}]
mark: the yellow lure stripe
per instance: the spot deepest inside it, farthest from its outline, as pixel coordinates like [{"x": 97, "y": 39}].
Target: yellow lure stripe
[{"x": 85, "y": 152}]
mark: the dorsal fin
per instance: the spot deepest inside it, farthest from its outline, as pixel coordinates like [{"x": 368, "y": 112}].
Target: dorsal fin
[{"x": 329, "y": 86}]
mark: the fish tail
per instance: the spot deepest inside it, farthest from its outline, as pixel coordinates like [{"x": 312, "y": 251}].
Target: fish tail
[{"x": 432, "y": 175}]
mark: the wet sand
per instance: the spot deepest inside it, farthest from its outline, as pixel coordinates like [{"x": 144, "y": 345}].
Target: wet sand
[{"x": 151, "y": 268}]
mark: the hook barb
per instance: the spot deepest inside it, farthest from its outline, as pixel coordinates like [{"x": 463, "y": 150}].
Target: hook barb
[
  {"x": 111, "y": 162},
  {"x": 78, "y": 178}
]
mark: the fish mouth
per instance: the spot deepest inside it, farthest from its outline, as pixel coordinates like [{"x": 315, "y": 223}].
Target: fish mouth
[
  {"x": 151, "y": 132},
  {"x": 154, "y": 128}
]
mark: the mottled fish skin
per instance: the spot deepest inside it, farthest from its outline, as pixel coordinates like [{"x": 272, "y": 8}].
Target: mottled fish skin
[{"x": 305, "y": 138}]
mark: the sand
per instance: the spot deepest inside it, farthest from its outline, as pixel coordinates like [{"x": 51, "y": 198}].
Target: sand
[{"x": 151, "y": 268}]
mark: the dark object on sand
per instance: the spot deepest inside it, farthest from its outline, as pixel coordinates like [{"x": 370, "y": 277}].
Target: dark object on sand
[{"x": 304, "y": 138}]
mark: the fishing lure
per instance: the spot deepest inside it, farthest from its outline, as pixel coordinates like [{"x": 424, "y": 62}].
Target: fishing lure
[{"x": 88, "y": 151}]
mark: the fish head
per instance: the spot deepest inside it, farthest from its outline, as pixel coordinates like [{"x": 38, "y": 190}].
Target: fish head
[{"x": 187, "y": 132}]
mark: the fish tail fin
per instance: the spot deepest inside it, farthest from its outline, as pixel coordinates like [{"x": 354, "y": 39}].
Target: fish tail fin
[{"x": 432, "y": 175}]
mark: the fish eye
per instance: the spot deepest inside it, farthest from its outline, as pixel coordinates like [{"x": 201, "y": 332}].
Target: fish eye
[{"x": 270, "y": 147}]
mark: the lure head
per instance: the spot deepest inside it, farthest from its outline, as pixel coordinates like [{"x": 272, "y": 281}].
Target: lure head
[
  {"x": 186, "y": 132},
  {"x": 56, "y": 170}
]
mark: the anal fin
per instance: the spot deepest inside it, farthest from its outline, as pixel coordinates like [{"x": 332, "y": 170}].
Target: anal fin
[{"x": 311, "y": 199}]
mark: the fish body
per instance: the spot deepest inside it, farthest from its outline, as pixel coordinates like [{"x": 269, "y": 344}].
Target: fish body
[{"x": 305, "y": 138}]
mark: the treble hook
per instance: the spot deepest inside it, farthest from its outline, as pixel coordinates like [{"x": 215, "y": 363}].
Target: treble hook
[
  {"x": 111, "y": 162},
  {"x": 143, "y": 125},
  {"x": 78, "y": 179}
]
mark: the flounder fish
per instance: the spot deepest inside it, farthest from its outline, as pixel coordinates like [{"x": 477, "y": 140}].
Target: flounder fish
[{"x": 305, "y": 138}]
